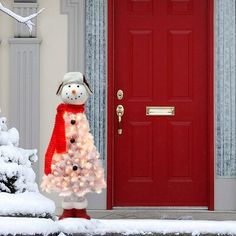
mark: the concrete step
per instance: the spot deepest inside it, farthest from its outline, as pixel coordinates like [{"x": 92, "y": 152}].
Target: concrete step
[{"x": 186, "y": 214}]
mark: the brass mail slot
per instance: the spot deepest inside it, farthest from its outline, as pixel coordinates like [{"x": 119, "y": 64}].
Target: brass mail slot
[{"x": 160, "y": 111}]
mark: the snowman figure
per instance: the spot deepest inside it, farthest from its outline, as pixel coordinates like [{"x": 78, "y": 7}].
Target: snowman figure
[{"x": 72, "y": 164}]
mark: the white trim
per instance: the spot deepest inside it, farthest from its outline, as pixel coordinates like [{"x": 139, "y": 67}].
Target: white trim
[
  {"x": 77, "y": 205},
  {"x": 200, "y": 208},
  {"x": 81, "y": 205},
  {"x": 75, "y": 11},
  {"x": 67, "y": 205}
]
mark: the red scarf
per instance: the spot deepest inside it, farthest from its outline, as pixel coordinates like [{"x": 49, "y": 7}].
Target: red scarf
[{"x": 58, "y": 139}]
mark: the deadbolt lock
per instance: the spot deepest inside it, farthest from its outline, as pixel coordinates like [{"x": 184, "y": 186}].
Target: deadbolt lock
[{"x": 120, "y": 94}]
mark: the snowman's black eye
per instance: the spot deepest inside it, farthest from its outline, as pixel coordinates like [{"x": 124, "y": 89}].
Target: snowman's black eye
[
  {"x": 77, "y": 86},
  {"x": 69, "y": 86}
]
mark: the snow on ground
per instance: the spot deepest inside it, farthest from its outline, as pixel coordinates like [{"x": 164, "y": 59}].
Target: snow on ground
[
  {"x": 25, "y": 203},
  {"x": 137, "y": 226},
  {"x": 27, "y": 226},
  {"x": 32, "y": 226}
]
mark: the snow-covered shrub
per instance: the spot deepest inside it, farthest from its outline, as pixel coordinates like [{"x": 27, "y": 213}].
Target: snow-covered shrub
[{"x": 19, "y": 195}]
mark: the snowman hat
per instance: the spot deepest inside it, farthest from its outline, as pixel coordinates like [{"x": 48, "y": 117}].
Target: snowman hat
[{"x": 74, "y": 77}]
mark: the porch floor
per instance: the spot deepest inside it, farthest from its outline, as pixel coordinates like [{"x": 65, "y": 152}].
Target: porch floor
[{"x": 171, "y": 214}]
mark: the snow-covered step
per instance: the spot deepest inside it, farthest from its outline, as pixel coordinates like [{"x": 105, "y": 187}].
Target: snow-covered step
[
  {"x": 30, "y": 204},
  {"x": 10, "y": 226},
  {"x": 140, "y": 227},
  {"x": 28, "y": 226}
]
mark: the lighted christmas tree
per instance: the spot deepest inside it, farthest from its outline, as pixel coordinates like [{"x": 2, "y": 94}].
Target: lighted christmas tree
[{"x": 78, "y": 171}]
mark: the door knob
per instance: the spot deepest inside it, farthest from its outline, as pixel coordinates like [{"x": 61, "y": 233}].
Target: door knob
[{"x": 120, "y": 112}]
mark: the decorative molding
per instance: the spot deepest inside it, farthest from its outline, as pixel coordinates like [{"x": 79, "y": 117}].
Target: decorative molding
[
  {"x": 24, "y": 89},
  {"x": 95, "y": 69},
  {"x": 225, "y": 88},
  {"x": 25, "y": 1},
  {"x": 25, "y": 9},
  {"x": 75, "y": 11}
]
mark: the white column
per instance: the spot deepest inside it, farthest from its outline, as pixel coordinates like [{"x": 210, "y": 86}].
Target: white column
[
  {"x": 74, "y": 9},
  {"x": 24, "y": 89},
  {"x": 24, "y": 9},
  {"x": 24, "y": 79}
]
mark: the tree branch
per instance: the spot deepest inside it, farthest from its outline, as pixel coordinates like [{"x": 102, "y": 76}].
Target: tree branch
[{"x": 25, "y": 20}]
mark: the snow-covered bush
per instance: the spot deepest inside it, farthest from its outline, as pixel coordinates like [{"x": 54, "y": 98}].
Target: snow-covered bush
[
  {"x": 19, "y": 195},
  {"x": 16, "y": 174}
]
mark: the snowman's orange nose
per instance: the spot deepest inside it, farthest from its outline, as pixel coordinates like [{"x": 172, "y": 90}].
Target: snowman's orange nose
[{"x": 73, "y": 92}]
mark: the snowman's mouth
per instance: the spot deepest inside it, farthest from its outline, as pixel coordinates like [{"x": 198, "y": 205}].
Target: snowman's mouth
[{"x": 73, "y": 98}]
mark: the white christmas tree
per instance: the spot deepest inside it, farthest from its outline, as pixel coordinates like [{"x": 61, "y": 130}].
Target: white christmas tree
[{"x": 19, "y": 195}]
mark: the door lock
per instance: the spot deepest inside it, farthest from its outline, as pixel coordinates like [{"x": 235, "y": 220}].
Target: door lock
[
  {"x": 120, "y": 112},
  {"x": 120, "y": 94}
]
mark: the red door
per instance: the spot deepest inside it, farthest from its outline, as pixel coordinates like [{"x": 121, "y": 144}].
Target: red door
[{"x": 160, "y": 59}]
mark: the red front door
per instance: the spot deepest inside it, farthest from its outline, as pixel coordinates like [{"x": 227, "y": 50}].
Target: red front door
[{"x": 160, "y": 59}]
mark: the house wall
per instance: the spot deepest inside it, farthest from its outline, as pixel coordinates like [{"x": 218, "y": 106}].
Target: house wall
[
  {"x": 52, "y": 29},
  {"x": 54, "y": 63},
  {"x": 6, "y": 32}
]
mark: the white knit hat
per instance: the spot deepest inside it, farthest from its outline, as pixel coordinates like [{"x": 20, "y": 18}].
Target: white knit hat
[{"x": 74, "y": 77}]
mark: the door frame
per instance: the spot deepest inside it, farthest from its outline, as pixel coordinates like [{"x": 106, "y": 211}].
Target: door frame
[{"x": 111, "y": 108}]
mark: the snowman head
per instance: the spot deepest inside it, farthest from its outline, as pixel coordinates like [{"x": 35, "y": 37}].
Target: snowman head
[{"x": 74, "y": 89}]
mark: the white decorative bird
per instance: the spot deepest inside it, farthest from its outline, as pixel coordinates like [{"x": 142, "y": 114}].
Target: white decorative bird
[{"x": 25, "y": 20}]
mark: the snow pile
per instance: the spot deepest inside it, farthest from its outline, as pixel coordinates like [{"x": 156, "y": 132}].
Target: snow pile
[
  {"x": 19, "y": 194},
  {"x": 8, "y": 137},
  {"x": 34, "y": 226},
  {"x": 3, "y": 123},
  {"x": 27, "y": 226},
  {"x": 16, "y": 174},
  {"x": 28, "y": 203},
  {"x": 131, "y": 226},
  {"x": 18, "y": 155}
]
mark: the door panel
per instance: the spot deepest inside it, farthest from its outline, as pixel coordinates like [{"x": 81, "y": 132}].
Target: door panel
[
  {"x": 160, "y": 59},
  {"x": 180, "y": 71}
]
